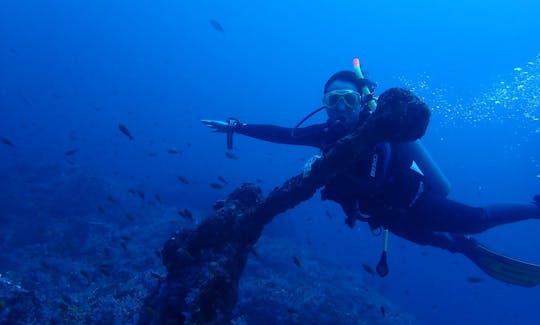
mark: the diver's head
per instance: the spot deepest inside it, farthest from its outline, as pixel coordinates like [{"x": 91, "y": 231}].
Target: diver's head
[{"x": 343, "y": 97}]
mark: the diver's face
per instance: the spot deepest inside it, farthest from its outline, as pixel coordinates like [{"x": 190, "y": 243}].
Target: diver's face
[{"x": 343, "y": 102}]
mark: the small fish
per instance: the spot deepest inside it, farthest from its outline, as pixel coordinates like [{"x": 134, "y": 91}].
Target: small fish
[
  {"x": 44, "y": 264},
  {"x": 125, "y": 130},
  {"x": 26, "y": 101},
  {"x": 71, "y": 152},
  {"x": 216, "y": 25},
  {"x": 106, "y": 252},
  {"x": 123, "y": 245},
  {"x": 223, "y": 180},
  {"x": 292, "y": 310},
  {"x": 296, "y": 261},
  {"x": 152, "y": 154},
  {"x": 156, "y": 275},
  {"x": 7, "y": 142},
  {"x": 111, "y": 199},
  {"x": 105, "y": 269},
  {"x": 101, "y": 209},
  {"x": 215, "y": 185},
  {"x": 85, "y": 274},
  {"x": 253, "y": 251},
  {"x": 173, "y": 151},
  {"x": 383, "y": 311},
  {"x": 258, "y": 180},
  {"x": 140, "y": 194},
  {"x": 158, "y": 198},
  {"x": 12, "y": 50},
  {"x": 125, "y": 238},
  {"x": 475, "y": 279},
  {"x": 130, "y": 217},
  {"x": 230, "y": 155},
  {"x": 368, "y": 269},
  {"x": 182, "y": 180},
  {"x": 186, "y": 214}
]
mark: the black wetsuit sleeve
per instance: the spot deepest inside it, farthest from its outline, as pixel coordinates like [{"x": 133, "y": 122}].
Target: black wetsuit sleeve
[{"x": 312, "y": 136}]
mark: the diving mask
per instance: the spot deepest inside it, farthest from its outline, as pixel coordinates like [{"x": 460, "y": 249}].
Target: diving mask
[{"x": 351, "y": 98}]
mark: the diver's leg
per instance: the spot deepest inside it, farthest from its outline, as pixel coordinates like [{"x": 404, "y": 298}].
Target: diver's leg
[
  {"x": 434, "y": 213},
  {"x": 506, "y": 213},
  {"x": 450, "y": 242}
]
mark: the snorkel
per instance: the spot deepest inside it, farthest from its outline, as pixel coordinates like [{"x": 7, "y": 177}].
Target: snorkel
[{"x": 372, "y": 104}]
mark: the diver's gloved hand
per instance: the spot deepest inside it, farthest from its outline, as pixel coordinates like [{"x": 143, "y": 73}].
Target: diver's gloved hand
[{"x": 221, "y": 126}]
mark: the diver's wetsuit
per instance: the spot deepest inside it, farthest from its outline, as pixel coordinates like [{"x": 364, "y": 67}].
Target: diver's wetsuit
[{"x": 384, "y": 190}]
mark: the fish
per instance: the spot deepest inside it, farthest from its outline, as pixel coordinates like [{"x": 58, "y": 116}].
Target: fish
[
  {"x": 383, "y": 311},
  {"x": 156, "y": 275},
  {"x": 173, "y": 151},
  {"x": 125, "y": 130},
  {"x": 183, "y": 180},
  {"x": 230, "y": 155},
  {"x": 216, "y": 25},
  {"x": 368, "y": 269},
  {"x": 129, "y": 216},
  {"x": 100, "y": 209},
  {"x": 186, "y": 214},
  {"x": 252, "y": 250},
  {"x": 7, "y": 142},
  {"x": 158, "y": 198},
  {"x": 296, "y": 261},
  {"x": 475, "y": 279},
  {"x": 71, "y": 152},
  {"x": 140, "y": 194},
  {"x": 223, "y": 180},
  {"x": 26, "y": 100},
  {"x": 215, "y": 185},
  {"x": 44, "y": 264},
  {"x": 105, "y": 269},
  {"x": 292, "y": 310},
  {"x": 85, "y": 274}
]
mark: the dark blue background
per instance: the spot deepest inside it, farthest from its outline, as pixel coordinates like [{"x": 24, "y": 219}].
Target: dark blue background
[{"x": 71, "y": 71}]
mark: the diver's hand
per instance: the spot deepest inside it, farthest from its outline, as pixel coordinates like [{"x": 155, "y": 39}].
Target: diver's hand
[{"x": 217, "y": 126}]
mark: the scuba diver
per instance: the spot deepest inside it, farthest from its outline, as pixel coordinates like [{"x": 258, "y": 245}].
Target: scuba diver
[{"x": 399, "y": 188}]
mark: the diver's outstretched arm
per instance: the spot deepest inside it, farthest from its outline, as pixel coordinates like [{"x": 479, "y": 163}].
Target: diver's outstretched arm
[{"x": 308, "y": 136}]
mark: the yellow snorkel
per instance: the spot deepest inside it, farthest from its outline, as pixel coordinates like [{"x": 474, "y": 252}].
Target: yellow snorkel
[{"x": 365, "y": 90}]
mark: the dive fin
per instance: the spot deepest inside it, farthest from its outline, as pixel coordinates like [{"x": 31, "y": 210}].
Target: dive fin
[{"x": 504, "y": 268}]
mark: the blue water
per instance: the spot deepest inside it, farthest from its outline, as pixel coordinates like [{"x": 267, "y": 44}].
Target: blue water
[{"x": 71, "y": 71}]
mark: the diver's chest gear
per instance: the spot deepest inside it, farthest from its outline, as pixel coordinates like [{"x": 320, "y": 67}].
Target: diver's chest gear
[{"x": 377, "y": 185}]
